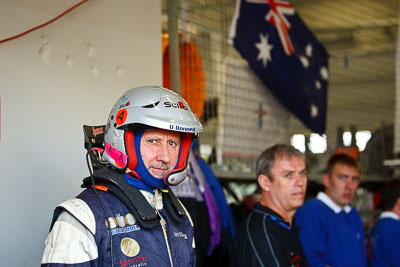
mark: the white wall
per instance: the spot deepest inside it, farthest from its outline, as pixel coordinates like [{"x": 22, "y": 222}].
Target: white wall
[
  {"x": 52, "y": 81},
  {"x": 396, "y": 134}
]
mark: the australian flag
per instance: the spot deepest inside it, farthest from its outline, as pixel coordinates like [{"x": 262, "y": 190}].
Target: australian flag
[{"x": 285, "y": 55}]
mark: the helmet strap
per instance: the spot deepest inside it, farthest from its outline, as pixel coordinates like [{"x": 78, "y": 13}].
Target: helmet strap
[{"x": 178, "y": 174}]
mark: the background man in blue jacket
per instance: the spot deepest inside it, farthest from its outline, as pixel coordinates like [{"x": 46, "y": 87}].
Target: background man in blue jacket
[
  {"x": 331, "y": 231},
  {"x": 384, "y": 245}
]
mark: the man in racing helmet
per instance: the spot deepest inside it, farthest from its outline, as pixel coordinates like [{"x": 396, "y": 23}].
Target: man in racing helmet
[{"x": 128, "y": 216}]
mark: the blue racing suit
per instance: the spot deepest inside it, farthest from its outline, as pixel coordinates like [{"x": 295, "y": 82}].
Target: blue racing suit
[{"x": 80, "y": 237}]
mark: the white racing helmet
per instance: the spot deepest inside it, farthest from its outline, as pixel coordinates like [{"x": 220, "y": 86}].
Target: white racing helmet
[{"x": 155, "y": 107}]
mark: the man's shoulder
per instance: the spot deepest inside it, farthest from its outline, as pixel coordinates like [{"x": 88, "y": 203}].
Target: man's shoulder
[
  {"x": 388, "y": 223},
  {"x": 80, "y": 210},
  {"x": 92, "y": 198},
  {"x": 254, "y": 225},
  {"x": 312, "y": 204},
  {"x": 255, "y": 219},
  {"x": 354, "y": 212},
  {"x": 86, "y": 206},
  {"x": 313, "y": 208},
  {"x": 257, "y": 214},
  {"x": 263, "y": 210}
]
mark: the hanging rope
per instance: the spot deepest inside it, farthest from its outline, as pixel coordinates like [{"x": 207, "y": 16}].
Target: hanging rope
[{"x": 44, "y": 24}]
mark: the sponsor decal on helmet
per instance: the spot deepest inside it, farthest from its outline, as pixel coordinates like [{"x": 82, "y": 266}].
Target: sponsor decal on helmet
[
  {"x": 127, "y": 104},
  {"x": 121, "y": 116},
  {"x": 119, "y": 157},
  {"x": 182, "y": 129},
  {"x": 175, "y": 105},
  {"x": 123, "y": 99}
]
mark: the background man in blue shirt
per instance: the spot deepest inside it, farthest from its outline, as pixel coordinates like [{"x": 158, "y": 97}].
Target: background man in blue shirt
[
  {"x": 331, "y": 231},
  {"x": 384, "y": 245}
]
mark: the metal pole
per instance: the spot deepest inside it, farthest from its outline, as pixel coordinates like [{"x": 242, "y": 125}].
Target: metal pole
[
  {"x": 174, "y": 64},
  {"x": 339, "y": 136},
  {"x": 353, "y": 130}
]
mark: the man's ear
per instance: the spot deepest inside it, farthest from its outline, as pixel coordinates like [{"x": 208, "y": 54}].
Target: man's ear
[
  {"x": 397, "y": 204},
  {"x": 326, "y": 180},
  {"x": 396, "y": 207},
  {"x": 264, "y": 182}
]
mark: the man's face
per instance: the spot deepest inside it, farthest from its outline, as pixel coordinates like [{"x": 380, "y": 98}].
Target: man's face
[
  {"x": 287, "y": 188},
  {"x": 160, "y": 151},
  {"x": 341, "y": 184}
]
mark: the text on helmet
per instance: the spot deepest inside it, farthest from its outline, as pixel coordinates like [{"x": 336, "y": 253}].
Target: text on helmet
[
  {"x": 182, "y": 129},
  {"x": 175, "y": 105}
]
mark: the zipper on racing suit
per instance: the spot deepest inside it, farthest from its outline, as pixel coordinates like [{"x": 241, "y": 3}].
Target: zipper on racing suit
[
  {"x": 164, "y": 227},
  {"x": 158, "y": 205}
]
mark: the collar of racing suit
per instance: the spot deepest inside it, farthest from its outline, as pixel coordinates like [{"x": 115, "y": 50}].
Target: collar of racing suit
[{"x": 146, "y": 216}]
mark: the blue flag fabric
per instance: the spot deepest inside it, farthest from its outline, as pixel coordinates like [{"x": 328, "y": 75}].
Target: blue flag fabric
[{"x": 285, "y": 55}]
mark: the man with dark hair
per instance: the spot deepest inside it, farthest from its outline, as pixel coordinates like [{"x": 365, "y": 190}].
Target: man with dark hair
[
  {"x": 331, "y": 231},
  {"x": 384, "y": 246},
  {"x": 268, "y": 236}
]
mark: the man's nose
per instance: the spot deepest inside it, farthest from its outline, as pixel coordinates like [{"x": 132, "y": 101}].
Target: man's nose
[
  {"x": 300, "y": 180},
  {"x": 163, "y": 154},
  {"x": 350, "y": 184}
]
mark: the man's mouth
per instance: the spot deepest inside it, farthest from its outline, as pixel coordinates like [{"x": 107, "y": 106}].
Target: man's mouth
[
  {"x": 298, "y": 193},
  {"x": 347, "y": 195},
  {"x": 161, "y": 167}
]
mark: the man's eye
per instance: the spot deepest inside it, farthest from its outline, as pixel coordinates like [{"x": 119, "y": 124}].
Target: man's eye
[
  {"x": 302, "y": 174},
  {"x": 172, "y": 143},
  {"x": 288, "y": 175}
]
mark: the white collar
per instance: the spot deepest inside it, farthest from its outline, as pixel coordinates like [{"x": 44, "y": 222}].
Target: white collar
[
  {"x": 329, "y": 202},
  {"x": 389, "y": 214},
  {"x": 155, "y": 200}
]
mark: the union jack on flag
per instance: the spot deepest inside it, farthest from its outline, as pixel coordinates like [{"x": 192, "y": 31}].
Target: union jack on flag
[{"x": 285, "y": 55}]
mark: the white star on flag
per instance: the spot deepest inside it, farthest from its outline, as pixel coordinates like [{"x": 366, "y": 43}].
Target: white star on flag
[
  {"x": 264, "y": 50},
  {"x": 314, "y": 110},
  {"x": 309, "y": 50},
  {"x": 304, "y": 61},
  {"x": 318, "y": 85},
  {"x": 324, "y": 73}
]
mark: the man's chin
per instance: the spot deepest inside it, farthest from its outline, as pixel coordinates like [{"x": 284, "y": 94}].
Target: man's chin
[
  {"x": 347, "y": 199},
  {"x": 298, "y": 202},
  {"x": 159, "y": 175}
]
